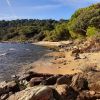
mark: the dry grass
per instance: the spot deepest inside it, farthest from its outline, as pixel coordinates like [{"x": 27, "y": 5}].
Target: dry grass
[{"x": 89, "y": 67}]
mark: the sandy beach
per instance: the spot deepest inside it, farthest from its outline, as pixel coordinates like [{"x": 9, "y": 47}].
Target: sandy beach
[{"x": 63, "y": 62}]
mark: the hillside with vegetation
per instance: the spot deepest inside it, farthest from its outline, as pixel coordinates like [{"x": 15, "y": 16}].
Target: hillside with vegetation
[
  {"x": 24, "y": 30},
  {"x": 85, "y": 22}
]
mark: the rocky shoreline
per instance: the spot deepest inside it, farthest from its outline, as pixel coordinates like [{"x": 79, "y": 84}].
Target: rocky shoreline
[
  {"x": 32, "y": 85},
  {"x": 37, "y": 86}
]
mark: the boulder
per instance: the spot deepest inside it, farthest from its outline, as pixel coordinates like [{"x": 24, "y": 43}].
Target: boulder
[
  {"x": 65, "y": 79},
  {"x": 62, "y": 90},
  {"x": 12, "y": 87},
  {"x": 9, "y": 87},
  {"x": 36, "y": 93},
  {"x": 79, "y": 83},
  {"x": 66, "y": 92},
  {"x": 51, "y": 80},
  {"x": 35, "y": 81}
]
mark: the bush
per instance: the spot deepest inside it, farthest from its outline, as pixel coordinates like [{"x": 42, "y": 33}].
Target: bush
[
  {"x": 60, "y": 32},
  {"x": 39, "y": 37},
  {"x": 91, "y": 31},
  {"x": 83, "y": 18}
]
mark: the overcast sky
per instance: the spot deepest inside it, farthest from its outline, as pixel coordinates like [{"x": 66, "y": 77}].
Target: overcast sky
[{"x": 41, "y": 9}]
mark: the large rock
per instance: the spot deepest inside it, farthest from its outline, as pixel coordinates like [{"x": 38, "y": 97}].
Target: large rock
[
  {"x": 9, "y": 87},
  {"x": 36, "y": 93},
  {"x": 79, "y": 83},
  {"x": 66, "y": 92},
  {"x": 62, "y": 90},
  {"x": 35, "y": 81},
  {"x": 66, "y": 79},
  {"x": 13, "y": 87},
  {"x": 51, "y": 80}
]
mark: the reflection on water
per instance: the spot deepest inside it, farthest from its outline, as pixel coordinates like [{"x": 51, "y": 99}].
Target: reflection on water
[{"x": 14, "y": 55}]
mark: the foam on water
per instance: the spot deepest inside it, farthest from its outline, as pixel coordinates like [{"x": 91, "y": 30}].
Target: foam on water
[
  {"x": 3, "y": 54},
  {"x": 12, "y": 49}
]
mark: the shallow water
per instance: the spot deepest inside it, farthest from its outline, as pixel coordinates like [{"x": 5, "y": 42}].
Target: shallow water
[{"x": 14, "y": 55}]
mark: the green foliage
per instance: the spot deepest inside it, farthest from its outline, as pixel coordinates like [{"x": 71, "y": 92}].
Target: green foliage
[
  {"x": 91, "y": 31},
  {"x": 60, "y": 32},
  {"x": 84, "y": 22},
  {"x": 77, "y": 13},
  {"x": 95, "y": 22},
  {"x": 25, "y": 30},
  {"x": 85, "y": 17}
]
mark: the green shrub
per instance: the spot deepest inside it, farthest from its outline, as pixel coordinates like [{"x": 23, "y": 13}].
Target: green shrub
[
  {"x": 91, "y": 31},
  {"x": 83, "y": 18},
  {"x": 60, "y": 32}
]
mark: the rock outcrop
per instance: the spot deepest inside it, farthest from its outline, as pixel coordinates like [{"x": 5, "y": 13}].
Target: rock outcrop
[
  {"x": 52, "y": 87},
  {"x": 36, "y": 93}
]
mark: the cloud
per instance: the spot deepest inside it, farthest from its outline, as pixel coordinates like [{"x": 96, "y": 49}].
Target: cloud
[
  {"x": 50, "y": 6},
  {"x": 8, "y": 17},
  {"x": 11, "y": 10},
  {"x": 8, "y": 2},
  {"x": 39, "y": 8}
]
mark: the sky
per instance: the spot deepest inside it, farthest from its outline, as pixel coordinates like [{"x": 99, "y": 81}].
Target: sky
[{"x": 41, "y": 9}]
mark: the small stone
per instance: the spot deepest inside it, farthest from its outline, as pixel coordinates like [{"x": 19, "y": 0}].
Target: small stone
[
  {"x": 82, "y": 56},
  {"x": 4, "y": 97},
  {"x": 92, "y": 92}
]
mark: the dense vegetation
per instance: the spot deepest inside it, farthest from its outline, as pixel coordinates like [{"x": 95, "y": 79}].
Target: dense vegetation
[
  {"x": 22, "y": 30},
  {"x": 84, "y": 22},
  {"x": 27, "y": 30}
]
